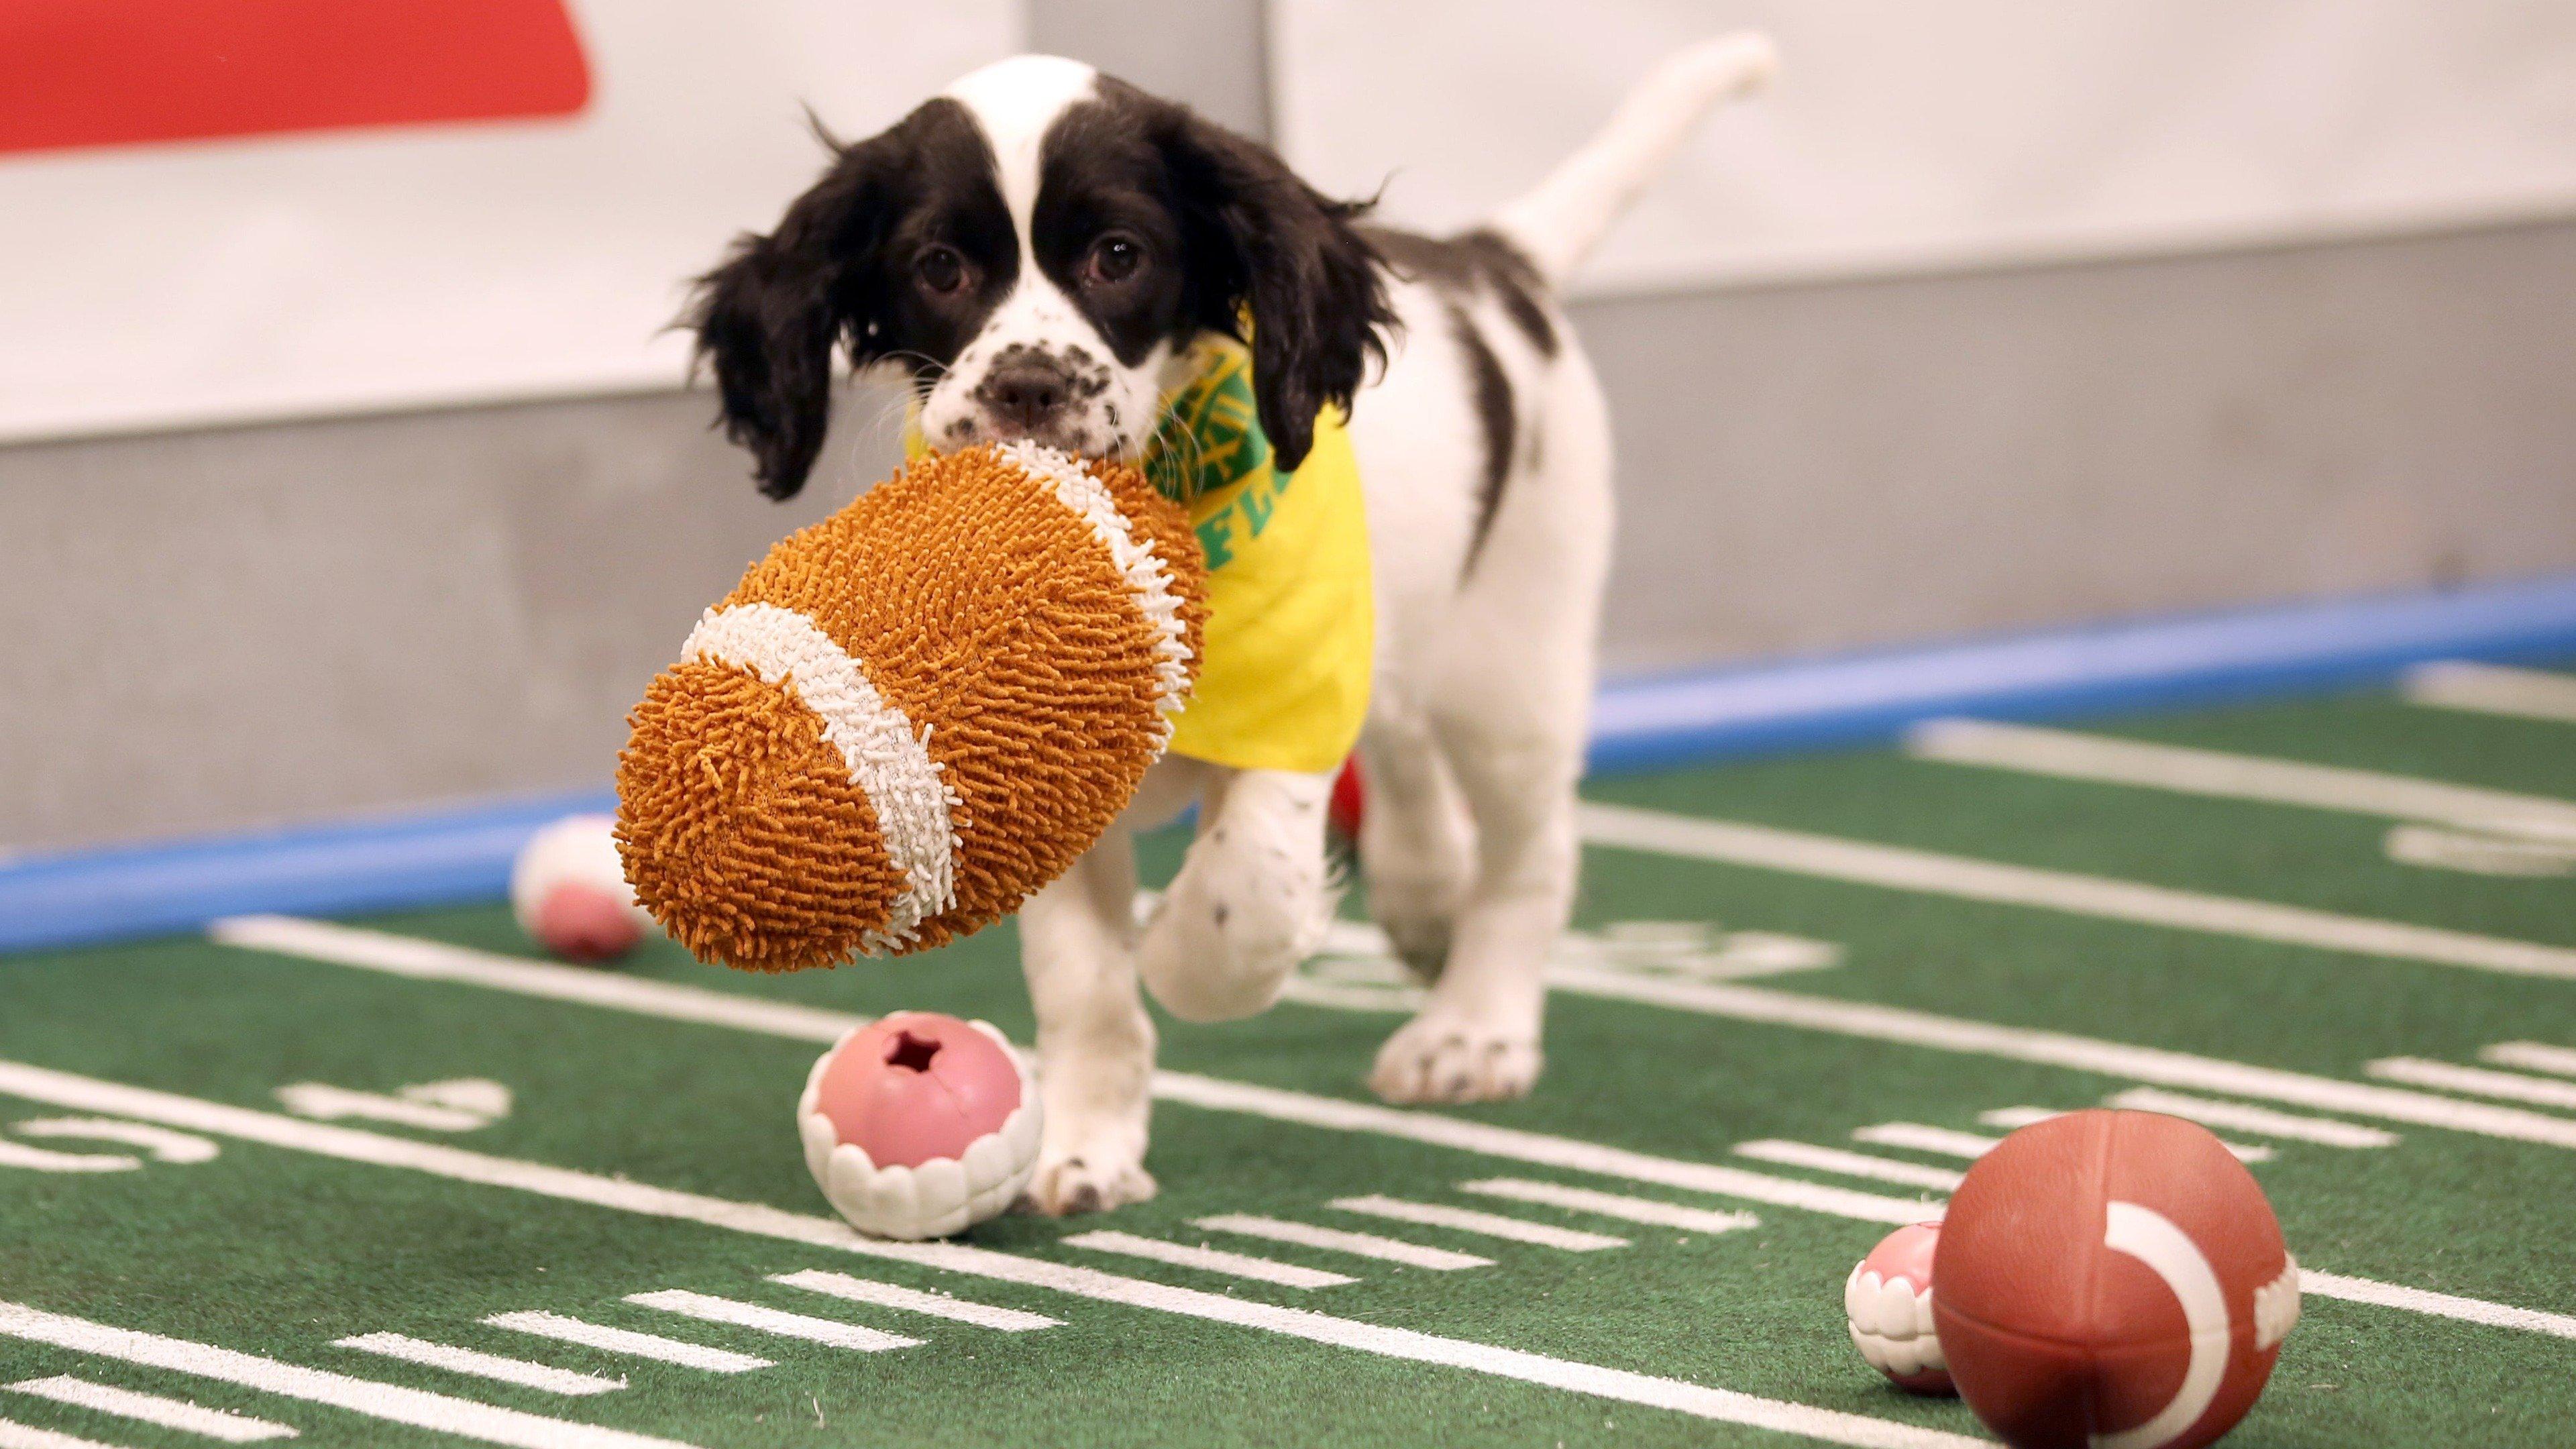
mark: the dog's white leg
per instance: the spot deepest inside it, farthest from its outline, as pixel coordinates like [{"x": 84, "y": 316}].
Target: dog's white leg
[
  {"x": 1251, "y": 901},
  {"x": 1477, "y": 1038},
  {"x": 1416, "y": 845},
  {"x": 1510, "y": 704},
  {"x": 1095, "y": 1042}
]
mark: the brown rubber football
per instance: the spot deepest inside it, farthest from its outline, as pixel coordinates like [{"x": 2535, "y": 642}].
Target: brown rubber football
[{"x": 2111, "y": 1280}]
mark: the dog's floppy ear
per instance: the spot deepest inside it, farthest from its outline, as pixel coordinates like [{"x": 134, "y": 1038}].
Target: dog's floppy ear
[
  {"x": 1263, "y": 242},
  {"x": 768, "y": 319}
]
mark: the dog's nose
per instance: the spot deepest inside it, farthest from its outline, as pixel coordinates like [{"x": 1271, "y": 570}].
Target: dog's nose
[{"x": 1026, "y": 393}]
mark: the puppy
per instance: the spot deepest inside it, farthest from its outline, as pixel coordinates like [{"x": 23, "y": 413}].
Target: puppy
[{"x": 1048, "y": 253}]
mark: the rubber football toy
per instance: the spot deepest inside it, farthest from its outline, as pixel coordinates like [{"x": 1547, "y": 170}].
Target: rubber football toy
[
  {"x": 912, "y": 715},
  {"x": 570, "y": 895},
  {"x": 2112, "y": 1280},
  {"x": 920, "y": 1125},
  {"x": 1887, "y": 1305}
]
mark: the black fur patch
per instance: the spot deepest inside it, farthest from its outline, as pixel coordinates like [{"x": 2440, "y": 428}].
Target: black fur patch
[
  {"x": 1461, "y": 264},
  {"x": 1223, "y": 229},
  {"x": 1494, "y": 417},
  {"x": 841, "y": 269},
  {"x": 1229, "y": 230}
]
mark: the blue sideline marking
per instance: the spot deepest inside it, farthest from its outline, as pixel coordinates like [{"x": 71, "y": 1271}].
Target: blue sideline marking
[
  {"x": 2163, "y": 663},
  {"x": 464, "y": 854},
  {"x": 393, "y": 863}
]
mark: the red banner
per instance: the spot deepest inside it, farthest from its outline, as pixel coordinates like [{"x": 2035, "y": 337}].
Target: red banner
[{"x": 76, "y": 73}]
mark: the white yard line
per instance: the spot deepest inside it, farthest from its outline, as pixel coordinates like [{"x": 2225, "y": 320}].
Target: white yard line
[
  {"x": 377, "y": 950},
  {"x": 373, "y": 950},
  {"x": 2492, "y": 689},
  {"x": 1918, "y": 1137},
  {"x": 2479, "y": 852},
  {"x": 1207, "y": 1260},
  {"x": 2477, "y": 1081},
  {"x": 913, "y": 1300},
  {"x": 437, "y": 961},
  {"x": 2261, "y": 1121},
  {"x": 2156, "y": 1066},
  {"x": 1468, "y": 1220},
  {"x": 391, "y": 1403},
  {"x": 1851, "y": 1164},
  {"x": 777, "y": 1323},
  {"x": 448, "y": 1356},
  {"x": 326, "y": 1103},
  {"x": 146, "y": 1408},
  {"x": 1613, "y": 1205},
  {"x": 14, "y": 1435},
  {"x": 2153, "y": 1065},
  {"x": 1763, "y": 847},
  {"x": 628, "y": 1342},
  {"x": 45, "y": 1159},
  {"x": 1532, "y": 1147},
  {"x": 2530, "y": 1056},
  {"x": 2439, "y": 1305},
  {"x": 2018, "y": 1117},
  {"x": 64, "y": 1089},
  {"x": 161, "y": 1143},
  {"x": 1341, "y": 1240},
  {"x": 2014, "y": 1118},
  {"x": 2103, "y": 759}
]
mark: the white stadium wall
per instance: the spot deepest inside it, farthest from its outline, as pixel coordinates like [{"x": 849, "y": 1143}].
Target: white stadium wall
[
  {"x": 1906, "y": 136},
  {"x": 282, "y": 564},
  {"x": 245, "y": 277}
]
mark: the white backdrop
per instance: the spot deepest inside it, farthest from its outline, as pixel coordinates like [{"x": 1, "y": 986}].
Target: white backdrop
[
  {"x": 227, "y": 281},
  {"x": 1918, "y": 134}
]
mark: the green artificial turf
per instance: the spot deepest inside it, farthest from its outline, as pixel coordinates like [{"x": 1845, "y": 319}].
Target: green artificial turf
[{"x": 279, "y": 1252}]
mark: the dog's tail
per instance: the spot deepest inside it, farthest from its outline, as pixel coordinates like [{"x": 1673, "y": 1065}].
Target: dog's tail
[{"x": 1558, "y": 224}]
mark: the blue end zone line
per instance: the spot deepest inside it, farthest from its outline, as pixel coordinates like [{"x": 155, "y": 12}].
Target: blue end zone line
[
  {"x": 459, "y": 854},
  {"x": 393, "y": 862},
  {"x": 2167, "y": 663}
]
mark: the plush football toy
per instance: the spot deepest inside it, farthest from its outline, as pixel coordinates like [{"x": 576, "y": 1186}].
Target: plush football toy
[
  {"x": 912, "y": 715},
  {"x": 2111, "y": 1280}
]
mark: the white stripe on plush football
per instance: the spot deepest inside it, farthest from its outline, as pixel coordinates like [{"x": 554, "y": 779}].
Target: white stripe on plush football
[
  {"x": 915, "y": 808},
  {"x": 1148, "y": 577}
]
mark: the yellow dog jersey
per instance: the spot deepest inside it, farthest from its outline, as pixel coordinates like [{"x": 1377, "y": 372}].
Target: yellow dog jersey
[{"x": 1283, "y": 679}]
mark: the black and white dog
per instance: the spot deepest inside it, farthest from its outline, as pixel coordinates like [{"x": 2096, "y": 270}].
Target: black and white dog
[{"x": 1035, "y": 250}]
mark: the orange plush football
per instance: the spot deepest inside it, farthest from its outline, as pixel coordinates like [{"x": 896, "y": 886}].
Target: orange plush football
[
  {"x": 912, "y": 715},
  {"x": 2113, "y": 1280}
]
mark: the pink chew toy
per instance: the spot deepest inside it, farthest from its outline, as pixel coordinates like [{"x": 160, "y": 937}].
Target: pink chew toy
[
  {"x": 568, "y": 889},
  {"x": 1887, "y": 1303},
  {"x": 919, "y": 1125}
]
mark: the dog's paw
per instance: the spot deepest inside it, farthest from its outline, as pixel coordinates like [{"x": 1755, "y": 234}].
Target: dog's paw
[
  {"x": 1090, "y": 1183},
  {"x": 1434, "y": 1059}
]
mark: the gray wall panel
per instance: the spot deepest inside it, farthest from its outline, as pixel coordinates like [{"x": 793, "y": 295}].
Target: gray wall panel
[
  {"x": 1211, "y": 55},
  {"x": 283, "y": 623},
  {"x": 1830, "y": 466}
]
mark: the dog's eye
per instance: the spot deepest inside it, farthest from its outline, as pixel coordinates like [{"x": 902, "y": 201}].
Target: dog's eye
[
  {"x": 1114, "y": 258},
  {"x": 941, "y": 270}
]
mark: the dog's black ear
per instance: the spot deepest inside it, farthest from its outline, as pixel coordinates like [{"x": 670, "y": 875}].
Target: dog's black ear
[
  {"x": 1264, "y": 242},
  {"x": 768, "y": 319}
]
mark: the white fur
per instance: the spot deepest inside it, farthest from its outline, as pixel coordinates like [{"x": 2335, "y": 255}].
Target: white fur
[
  {"x": 1480, "y": 713},
  {"x": 1566, "y": 217},
  {"x": 1015, "y": 101}
]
